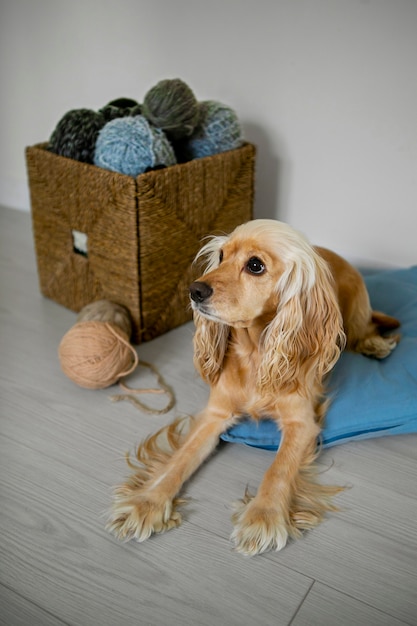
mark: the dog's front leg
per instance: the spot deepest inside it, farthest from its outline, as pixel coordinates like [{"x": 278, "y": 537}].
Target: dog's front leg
[
  {"x": 147, "y": 502},
  {"x": 263, "y": 522}
]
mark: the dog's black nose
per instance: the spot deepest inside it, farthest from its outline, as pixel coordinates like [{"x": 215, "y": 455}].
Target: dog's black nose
[{"x": 200, "y": 291}]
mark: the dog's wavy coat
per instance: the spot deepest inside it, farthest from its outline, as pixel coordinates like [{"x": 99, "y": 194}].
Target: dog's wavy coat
[{"x": 272, "y": 315}]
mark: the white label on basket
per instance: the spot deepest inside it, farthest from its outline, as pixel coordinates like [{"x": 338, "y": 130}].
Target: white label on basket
[{"x": 80, "y": 242}]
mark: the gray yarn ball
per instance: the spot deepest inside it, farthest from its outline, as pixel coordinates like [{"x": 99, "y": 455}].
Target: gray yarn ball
[
  {"x": 132, "y": 146},
  {"x": 218, "y": 130},
  {"x": 172, "y": 106}
]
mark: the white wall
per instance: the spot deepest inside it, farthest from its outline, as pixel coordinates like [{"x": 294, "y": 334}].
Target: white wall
[{"x": 327, "y": 89}]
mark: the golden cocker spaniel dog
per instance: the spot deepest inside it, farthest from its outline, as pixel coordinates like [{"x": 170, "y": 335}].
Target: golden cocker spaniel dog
[{"x": 272, "y": 315}]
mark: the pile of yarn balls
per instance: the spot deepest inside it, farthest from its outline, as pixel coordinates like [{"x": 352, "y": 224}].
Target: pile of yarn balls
[{"x": 170, "y": 126}]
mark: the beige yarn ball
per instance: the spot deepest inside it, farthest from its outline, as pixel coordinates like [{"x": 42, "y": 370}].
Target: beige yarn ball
[{"x": 96, "y": 354}]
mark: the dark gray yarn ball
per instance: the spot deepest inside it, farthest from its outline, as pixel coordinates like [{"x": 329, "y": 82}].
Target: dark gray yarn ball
[
  {"x": 172, "y": 106},
  {"x": 121, "y": 107},
  {"x": 76, "y": 133}
]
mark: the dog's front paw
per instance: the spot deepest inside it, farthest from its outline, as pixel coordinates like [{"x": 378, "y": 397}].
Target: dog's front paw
[
  {"x": 135, "y": 515},
  {"x": 258, "y": 528}
]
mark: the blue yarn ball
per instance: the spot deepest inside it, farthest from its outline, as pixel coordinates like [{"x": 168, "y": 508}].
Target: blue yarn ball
[
  {"x": 132, "y": 146},
  {"x": 218, "y": 130}
]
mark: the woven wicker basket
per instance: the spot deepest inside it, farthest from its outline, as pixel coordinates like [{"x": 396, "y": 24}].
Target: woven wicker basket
[{"x": 100, "y": 234}]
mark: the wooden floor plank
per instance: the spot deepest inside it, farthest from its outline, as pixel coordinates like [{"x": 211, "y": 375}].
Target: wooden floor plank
[
  {"x": 326, "y": 607},
  {"x": 17, "y": 611}
]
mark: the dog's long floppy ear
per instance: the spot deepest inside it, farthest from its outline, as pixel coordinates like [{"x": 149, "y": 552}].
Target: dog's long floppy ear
[
  {"x": 210, "y": 338},
  {"x": 304, "y": 340},
  {"x": 210, "y": 345}
]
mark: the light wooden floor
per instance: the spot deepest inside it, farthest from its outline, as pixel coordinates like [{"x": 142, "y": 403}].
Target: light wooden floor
[{"x": 61, "y": 451}]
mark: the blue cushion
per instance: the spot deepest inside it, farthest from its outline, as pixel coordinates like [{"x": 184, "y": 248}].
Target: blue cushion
[{"x": 370, "y": 398}]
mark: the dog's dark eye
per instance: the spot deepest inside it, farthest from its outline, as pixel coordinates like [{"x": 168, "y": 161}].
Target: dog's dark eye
[
  {"x": 220, "y": 256},
  {"x": 255, "y": 266}
]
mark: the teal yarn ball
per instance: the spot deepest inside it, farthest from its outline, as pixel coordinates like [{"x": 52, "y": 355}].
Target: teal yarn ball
[
  {"x": 172, "y": 106},
  {"x": 132, "y": 146},
  {"x": 218, "y": 130}
]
